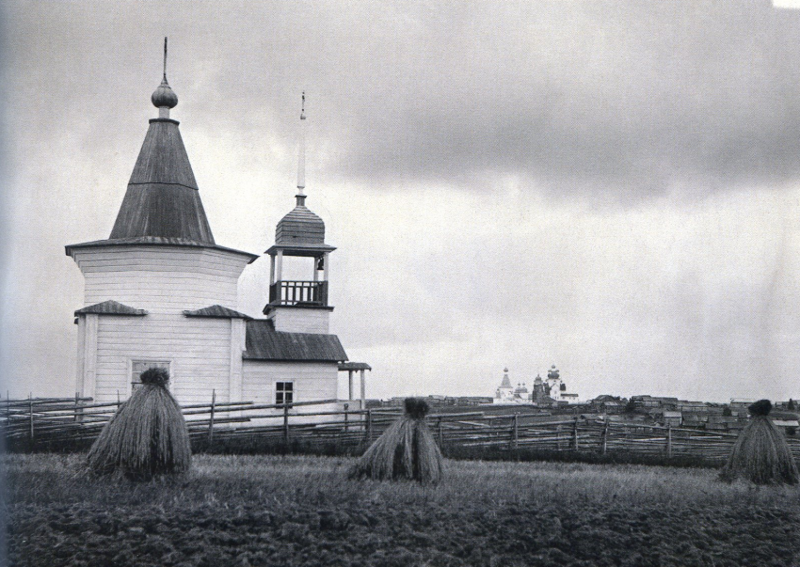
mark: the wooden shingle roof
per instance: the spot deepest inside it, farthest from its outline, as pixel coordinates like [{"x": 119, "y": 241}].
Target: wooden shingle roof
[
  {"x": 345, "y": 366},
  {"x": 300, "y": 226},
  {"x": 217, "y": 311},
  {"x": 263, "y": 342},
  {"x": 154, "y": 241},
  {"x": 162, "y": 198},
  {"x": 110, "y": 307}
]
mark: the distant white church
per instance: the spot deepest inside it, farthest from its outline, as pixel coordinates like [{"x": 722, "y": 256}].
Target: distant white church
[
  {"x": 161, "y": 292},
  {"x": 545, "y": 392}
]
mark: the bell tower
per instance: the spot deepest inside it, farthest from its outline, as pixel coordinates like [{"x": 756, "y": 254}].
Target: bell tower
[{"x": 299, "y": 305}]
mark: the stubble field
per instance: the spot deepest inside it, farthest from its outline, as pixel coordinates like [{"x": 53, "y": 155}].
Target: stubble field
[{"x": 304, "y": 511}]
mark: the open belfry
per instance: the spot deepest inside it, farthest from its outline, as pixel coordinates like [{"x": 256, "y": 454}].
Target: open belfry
[{"x": 160, "y": 292}]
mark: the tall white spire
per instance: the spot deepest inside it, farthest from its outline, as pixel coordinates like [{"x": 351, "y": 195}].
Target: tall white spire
[{"x": 301, "y": 161}]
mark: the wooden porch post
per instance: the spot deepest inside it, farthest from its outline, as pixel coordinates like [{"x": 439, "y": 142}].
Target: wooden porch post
[
  {"x": 349, "y": 384},
  {"x": 363, "y": 391},
  {"x": 279, "y": 270}
]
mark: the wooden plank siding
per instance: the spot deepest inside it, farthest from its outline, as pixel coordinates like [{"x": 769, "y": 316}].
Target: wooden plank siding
[
  {"x": 311, "y": 381},
  {"x": 198, "y": 349},
  {"x": 161, "y": 279},
  {"x": 300, "y": 320}
]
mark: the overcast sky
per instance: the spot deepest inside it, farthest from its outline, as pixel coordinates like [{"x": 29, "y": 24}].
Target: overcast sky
[{"x": 610, "y": 187}]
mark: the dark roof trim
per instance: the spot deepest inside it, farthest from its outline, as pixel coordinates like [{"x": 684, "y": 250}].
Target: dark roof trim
[
  {"x": 245, "y": 356},
  {"x": 156, "y": 241},
  {"x": 270, "y": 307},
  {"x": 300, "y": 249},
  {"x": 343, "y": 366},
  {"x": 110, "y": 307},
  {"x": 218, "y": 312},
  {"x": 171, "y": 120}
]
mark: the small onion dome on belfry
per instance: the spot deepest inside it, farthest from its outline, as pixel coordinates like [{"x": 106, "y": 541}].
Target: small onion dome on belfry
[
  {"x": 300, "y": 226},
  {"x": 164, "y": 97}
]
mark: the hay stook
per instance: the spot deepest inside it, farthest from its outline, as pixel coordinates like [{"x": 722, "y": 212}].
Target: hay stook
[
  {"x": 761, "y": 453},
  {"x": 147, "y": 436},
  {"x": 405, "y": 451}
]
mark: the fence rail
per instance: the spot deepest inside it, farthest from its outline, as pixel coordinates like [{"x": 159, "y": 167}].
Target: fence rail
[{"x": 56, "y": 423}]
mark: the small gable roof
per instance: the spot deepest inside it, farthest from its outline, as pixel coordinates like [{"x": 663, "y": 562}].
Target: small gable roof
[
  {"x": 344, "y": 366},
  {"x": 110, "y": 307},
  {"x": 263, "y": 342},
  {"x": 216, "y": 311}
]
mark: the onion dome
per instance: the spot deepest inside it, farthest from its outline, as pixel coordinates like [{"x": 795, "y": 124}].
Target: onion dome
[
  {"x": 164, "y": 96},
  {"x": 300, "y": 226}
]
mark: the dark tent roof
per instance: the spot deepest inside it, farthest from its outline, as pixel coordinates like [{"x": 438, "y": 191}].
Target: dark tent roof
[
  {"x": 110, "y": 307},
  {"x": 162, "y": 197},
  {"x": 162, "y": 204},
  {"x": 263, "y": 342},
  {"x": 216, "y": 311}
]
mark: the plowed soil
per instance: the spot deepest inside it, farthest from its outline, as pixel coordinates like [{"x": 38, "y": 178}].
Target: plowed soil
[{"x": 304, "y": 511}]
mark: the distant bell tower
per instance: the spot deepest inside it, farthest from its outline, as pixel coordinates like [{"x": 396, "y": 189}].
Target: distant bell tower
[{"x": 300, "y": 305}]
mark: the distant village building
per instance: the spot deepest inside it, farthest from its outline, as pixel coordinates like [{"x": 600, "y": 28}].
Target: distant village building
[
  {"x": 160, "y": 292},
  {"x": 505, "y": 392},
  {"x": 548, "y": 392},
  {"x": 557, "y": 389}
]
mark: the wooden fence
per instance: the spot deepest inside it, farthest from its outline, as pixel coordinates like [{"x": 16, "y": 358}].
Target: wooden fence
[{"x": 63, "y": 423}]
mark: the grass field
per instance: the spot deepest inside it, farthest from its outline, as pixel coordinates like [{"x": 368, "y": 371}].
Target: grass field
[{"x": 275, "y": 510}]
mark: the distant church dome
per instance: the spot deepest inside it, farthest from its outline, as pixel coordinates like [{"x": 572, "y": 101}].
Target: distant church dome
[
  {"x": 164, "y": 96},
  {"x": 300, "y": 226}
]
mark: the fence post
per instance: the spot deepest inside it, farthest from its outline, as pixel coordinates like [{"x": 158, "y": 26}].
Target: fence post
[
  {"x": 285, "y": 421},
  {"x": 605, "y": 436},
  {"x": 368, "y": 427},
  {"x": 346, "y": 407},
  {"x": 30, "y": 409},
  {"x": 211, "y": 421},
  {"x": 76, "y": 407},
  {"x": 669, "y": 441},
  {"x": 558, "y": 437},
  {"x": 575, "y": 434},
  {"x": 515, "y": 431},
  {"x": 441, "y": 433}
]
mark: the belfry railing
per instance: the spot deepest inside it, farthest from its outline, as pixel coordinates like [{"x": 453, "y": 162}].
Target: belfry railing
[{"x": 296, "y": 292}]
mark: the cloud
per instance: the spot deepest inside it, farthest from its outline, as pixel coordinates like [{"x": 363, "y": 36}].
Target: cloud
[
  {"x": 616, "y": 101},
  {"x": 469, "y": 159}
]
